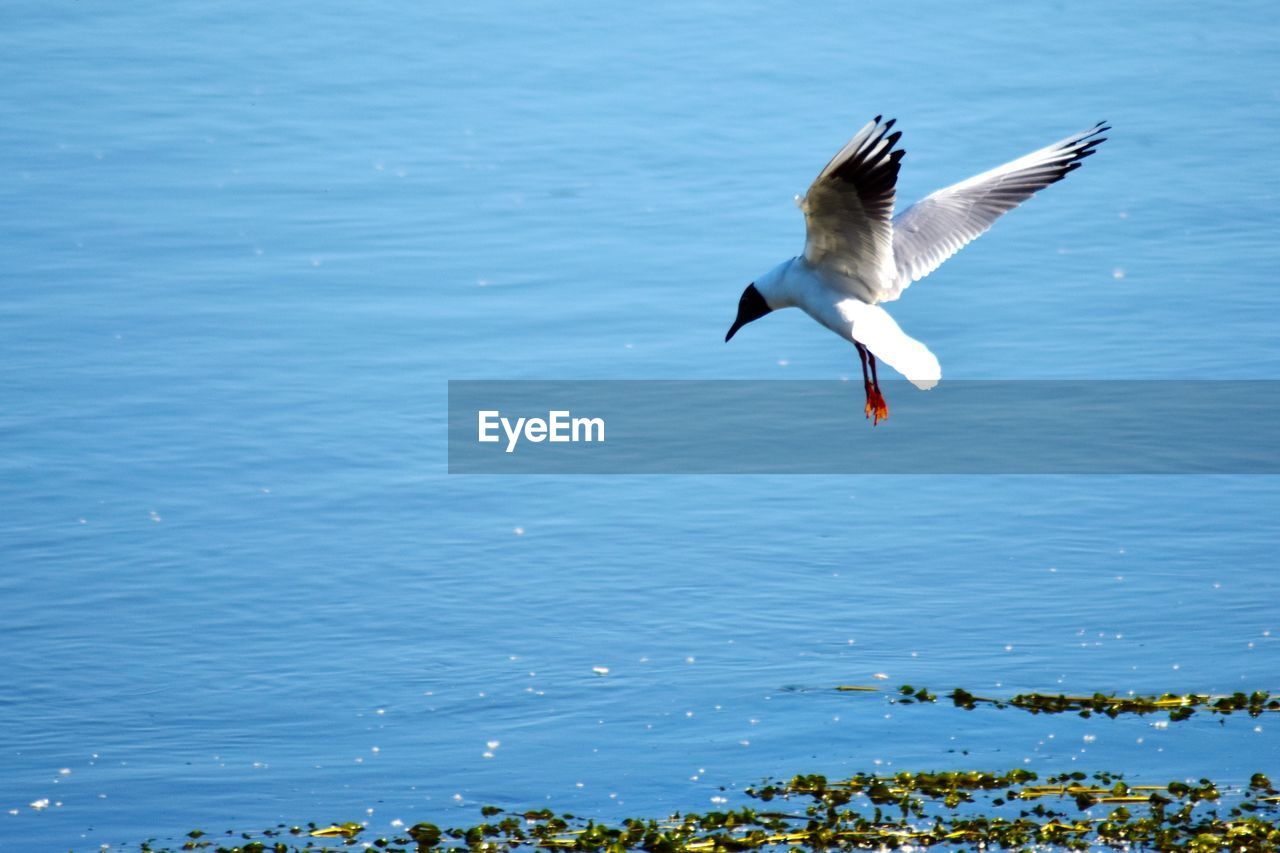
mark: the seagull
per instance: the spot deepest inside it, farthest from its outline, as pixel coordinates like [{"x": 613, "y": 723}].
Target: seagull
[{"x": 857, "y": 254}]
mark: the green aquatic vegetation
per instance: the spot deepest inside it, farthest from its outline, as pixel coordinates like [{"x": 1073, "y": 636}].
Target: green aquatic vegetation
[
  {"x": 342, "y": 830},
  {"x": 950, "y": 810},
  {"x": 1178, "y": 706}
]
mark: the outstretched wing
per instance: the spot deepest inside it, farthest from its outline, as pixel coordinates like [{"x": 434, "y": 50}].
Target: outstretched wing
[
  {"x": 848, "y": 212},
  {"x": 939, "y": 225}
]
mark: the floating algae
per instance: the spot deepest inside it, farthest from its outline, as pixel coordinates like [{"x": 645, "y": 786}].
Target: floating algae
[
  {"x": 953, "y": 810},
  {"x": 1178, "y": 706},
  {"x": 947, "y": 810}
]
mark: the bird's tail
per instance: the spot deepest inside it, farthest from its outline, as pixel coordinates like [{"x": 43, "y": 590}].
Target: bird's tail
[{"x": 880, "y": 333}]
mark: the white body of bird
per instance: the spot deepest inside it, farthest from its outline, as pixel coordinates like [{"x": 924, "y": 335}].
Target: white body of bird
[{"x": 795, "y": 283}]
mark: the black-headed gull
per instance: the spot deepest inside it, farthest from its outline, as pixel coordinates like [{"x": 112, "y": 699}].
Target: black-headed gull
[{"x": 857, "y": 254}]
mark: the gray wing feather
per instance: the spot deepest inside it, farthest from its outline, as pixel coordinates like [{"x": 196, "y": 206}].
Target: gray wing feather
[
  {"x": 849, "y": 209},
  {"x": 939, "y": 225}
]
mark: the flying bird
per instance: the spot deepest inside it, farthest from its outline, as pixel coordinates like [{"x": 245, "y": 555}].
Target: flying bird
[{"x": 857, "y": 254}]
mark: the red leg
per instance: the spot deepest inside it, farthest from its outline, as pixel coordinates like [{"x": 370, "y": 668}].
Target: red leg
[
  {"x": 878, "y": 408},
  {"x": 866, "y": 378}
]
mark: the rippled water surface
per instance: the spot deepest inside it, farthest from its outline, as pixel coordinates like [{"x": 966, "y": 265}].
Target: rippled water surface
[{"x": 246, "y": 245}]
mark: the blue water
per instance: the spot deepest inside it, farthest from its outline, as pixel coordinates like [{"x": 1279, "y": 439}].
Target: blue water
[{"x": 245, "y": 245}]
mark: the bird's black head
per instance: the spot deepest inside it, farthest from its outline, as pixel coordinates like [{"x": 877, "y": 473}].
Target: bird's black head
[{"x": 750, "y": 307}]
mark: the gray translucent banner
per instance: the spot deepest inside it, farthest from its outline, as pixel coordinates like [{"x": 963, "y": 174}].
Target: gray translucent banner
[{"x": 818, "y": 427}]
